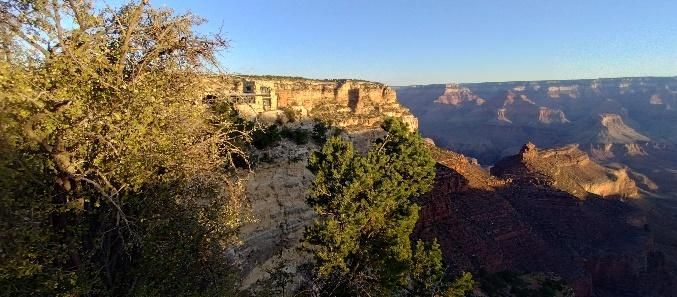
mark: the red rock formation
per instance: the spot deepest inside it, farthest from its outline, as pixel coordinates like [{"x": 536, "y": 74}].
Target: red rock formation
[
  {"x": 548, "y": 116},
  {"x": 523, "y": 224},
  {"x": 612, "y": 129},
  {"x": 568, "y": 169}
]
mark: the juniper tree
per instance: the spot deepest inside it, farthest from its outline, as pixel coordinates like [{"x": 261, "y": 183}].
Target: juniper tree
[{"x": 361, "y": 239}]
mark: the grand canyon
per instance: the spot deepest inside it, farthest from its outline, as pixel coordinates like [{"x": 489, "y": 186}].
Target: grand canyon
[
  {"x": 137, "y": 160},
  {"x": 557, "y": 130},
  {"x": 514, "y": 190}
]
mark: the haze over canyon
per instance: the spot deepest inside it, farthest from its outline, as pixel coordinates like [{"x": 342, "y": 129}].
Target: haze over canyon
[{"x": 626, "y": 125}]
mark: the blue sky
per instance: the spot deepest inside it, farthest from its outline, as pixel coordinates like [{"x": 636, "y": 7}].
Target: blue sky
[{"x": 415, "y": 42}]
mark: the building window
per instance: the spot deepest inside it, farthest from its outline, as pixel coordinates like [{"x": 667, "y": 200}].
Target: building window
[
  {"x": 249, "y": 87},
  {"x": 267, "y": 103}
]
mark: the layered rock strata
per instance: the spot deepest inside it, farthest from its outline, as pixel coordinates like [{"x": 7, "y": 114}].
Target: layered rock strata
[
  {"x": 484, "y": 223},
  {"x": 568, "y": 169},
  {"x": 351, "y": 104}
]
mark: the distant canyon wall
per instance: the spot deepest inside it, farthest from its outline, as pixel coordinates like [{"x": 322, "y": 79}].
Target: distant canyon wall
[
  {"x": 627, "y": 121},
  {"x": 647, "y": 105}
]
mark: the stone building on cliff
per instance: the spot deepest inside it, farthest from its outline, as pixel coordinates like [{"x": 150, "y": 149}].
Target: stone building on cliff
[
  {"x": 345, "y": 103},
  {"x": 259, "y": 94}
]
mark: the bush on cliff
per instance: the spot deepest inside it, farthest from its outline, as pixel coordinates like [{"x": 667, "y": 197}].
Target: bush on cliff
[
  {"x": 263, "y": 138},
  {"x": 299, "y": 136},
  {"x": 319, "y": 134},
  {"x": 361, "y": 239}
]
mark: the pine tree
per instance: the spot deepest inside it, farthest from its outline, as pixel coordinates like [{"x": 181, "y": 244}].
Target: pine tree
[{"x": 366, "y": 215}]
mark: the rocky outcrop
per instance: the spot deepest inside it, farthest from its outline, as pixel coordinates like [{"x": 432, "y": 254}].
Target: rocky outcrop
[
  {"x": 277, "y": 188},
  {"x": 627, "y": 121},
  {"x": 549, "y": 116},
  {"x": 482, "y": 222},
  {"x": 553, "y": 113},
  {"x": 352, "y": 104},
  {"x": 609, "y": 151},
  {"x": 568, "y": 169},
  {"x": 519, "y": 109},
  {"x": 612, "y": 129},
  {"x": 457, "y": 95},
  {"x": 541, "y": 212},
  {"x": 563, "y": 90},
  {"x": 485, "y": 223}
]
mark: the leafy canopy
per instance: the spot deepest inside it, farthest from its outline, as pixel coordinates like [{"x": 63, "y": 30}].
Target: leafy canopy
[{"x": 115, "y": 177}]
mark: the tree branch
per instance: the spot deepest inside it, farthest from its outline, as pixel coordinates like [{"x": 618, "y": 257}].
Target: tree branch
[
  {"x": 29, "y": 40},
  {"x": 131, "y": 26},
  {"x": 57, "y": 23},
  {"x": 76, "y": 14}
]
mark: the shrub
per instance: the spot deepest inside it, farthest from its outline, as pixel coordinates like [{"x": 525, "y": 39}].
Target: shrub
[
  {"x": 320, "y": 133},
  {"x": 291, "y": 114},
  {"x": 115, "y": 178},
  {"x": 298, "y": 136},
  {"x": 266, "y": 137},
  {"x": 361, "y": 238}
]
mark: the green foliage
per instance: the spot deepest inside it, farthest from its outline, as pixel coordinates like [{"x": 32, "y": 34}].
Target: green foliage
[
  {"x": 461, "y": 286},
  {"x": 193, "y": 263},
  {"x": 276, "y": 284},
  {"x": 115, "y": 178},
  {"x": 266, "y": 137},
  {"x": 299, "y": 136},
  {"x": 361, "y": 238},
  {"x": 320, "y": 130},
  {"x": 270, "y": 136},
  {"x": 426, "y": 269},
  {"x": 427, "y": 275},
  {"x": 507, "y": 283}
]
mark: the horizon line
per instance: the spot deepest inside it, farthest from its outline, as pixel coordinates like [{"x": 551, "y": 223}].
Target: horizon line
[{"x": 452, "y": 82}]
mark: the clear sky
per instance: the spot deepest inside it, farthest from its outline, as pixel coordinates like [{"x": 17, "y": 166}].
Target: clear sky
[{"x": 402, "y": 42}]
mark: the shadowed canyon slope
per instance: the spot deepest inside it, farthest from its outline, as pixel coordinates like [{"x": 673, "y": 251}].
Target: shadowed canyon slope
[{"x": 520, "y": 221}]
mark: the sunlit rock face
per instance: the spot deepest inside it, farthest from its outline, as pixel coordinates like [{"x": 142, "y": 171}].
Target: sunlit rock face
[
  {"x": 550, "y": 116},
  {"x": 626, "y": 125},
  {"x": 457, "y": 95},
  {"x": 277, "y": 187},
  {"x": 550, "y": 210},
  {"x": 351, "y": 104},
  {"x": 568, "y": 169},
  {"x": 612, "y": 129},
  {"x": 556, "y": 108}
]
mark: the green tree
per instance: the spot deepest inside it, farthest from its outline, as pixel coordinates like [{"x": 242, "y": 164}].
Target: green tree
[
  {"x": 427, "y": 275},
  {"x": 115, "y": 177},
  {"x": 461, "y": 286},
  {"x": 365, "y": 212},
  {"x": 319, "y": 134},
  {"x": 426, "y": 270}
]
